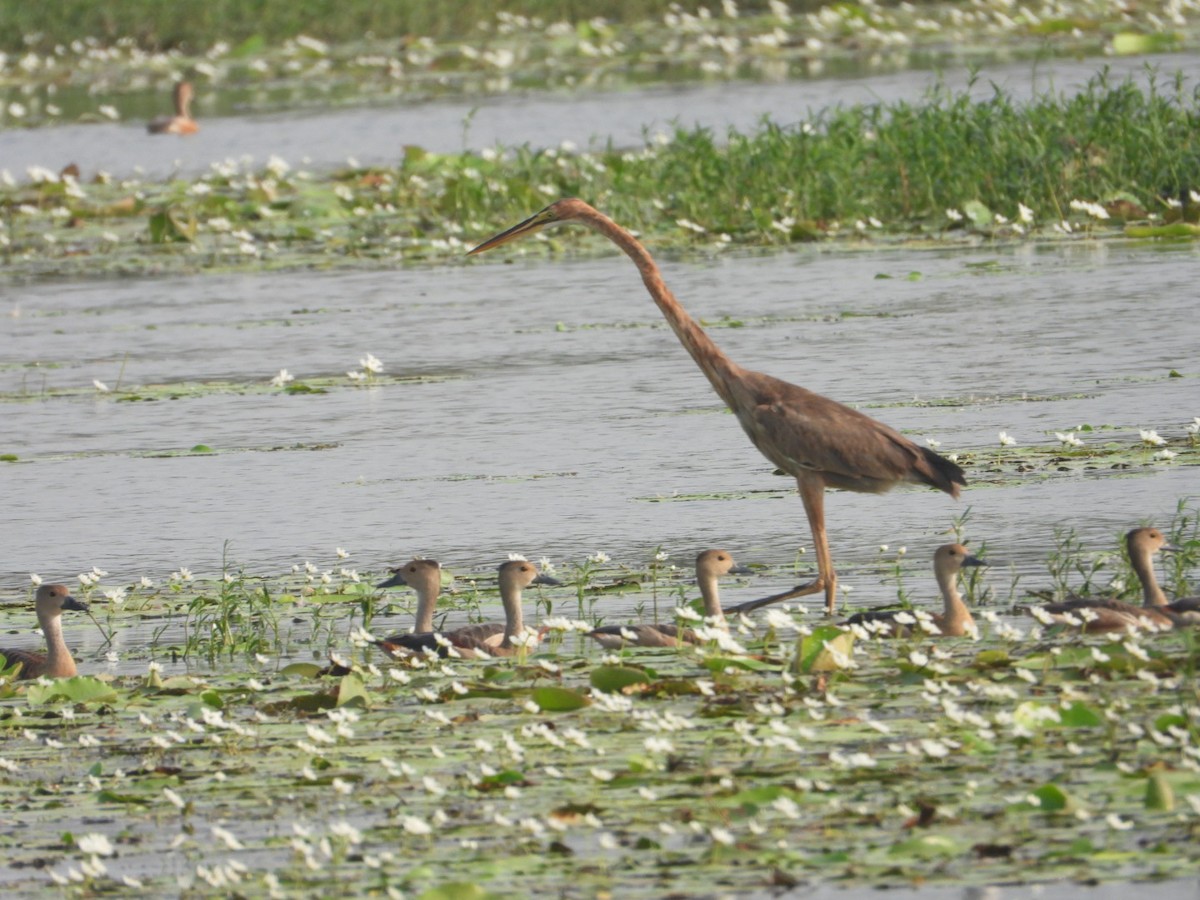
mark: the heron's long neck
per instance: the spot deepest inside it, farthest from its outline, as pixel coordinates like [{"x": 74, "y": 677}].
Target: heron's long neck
[
  {"x": 712, "y": 598},
  {"x": 59, "y": 663},
  {"x": 955, "y": 614},
  {"x": 426, "y": 601},
  {"x": 510, "y": 597},
  {"x": 713, "y": 363},
  {"x": 1143, "y": 566}
]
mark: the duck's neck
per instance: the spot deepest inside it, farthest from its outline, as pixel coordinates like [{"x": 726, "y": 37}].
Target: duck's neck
[
  {"x": 712, "y": 599},
  {"x": 514, "y": 624},
  {"x": 1143, "y": 567},
  {"x": 956, "y": 618},
  {"x": 426, "y": 602},
  {"x": 59, "y": 663}
]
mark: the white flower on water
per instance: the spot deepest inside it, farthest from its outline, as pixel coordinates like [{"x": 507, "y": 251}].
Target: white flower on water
[
  {"x": 282, "y": 378},
  {"x": 1007, "y": 440},
  {"x": 371, "y": 364},
  {"x": 1150, "y": 437},
  {"x": 1068, "y": 439},
  {"x": 1165, "y": 455},
  {"x": 100, "y": 385},
  {"x": 954, "y": 215},
  {"x": 96, "y": 843}
]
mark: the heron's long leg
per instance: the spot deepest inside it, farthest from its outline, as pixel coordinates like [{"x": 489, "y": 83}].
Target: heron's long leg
[{"x": 812, "y": 492}]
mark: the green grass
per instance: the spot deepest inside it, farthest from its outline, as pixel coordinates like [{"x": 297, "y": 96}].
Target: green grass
[
  {"x": 881, "y": 171},
  {"x": 195, "y": 24}
]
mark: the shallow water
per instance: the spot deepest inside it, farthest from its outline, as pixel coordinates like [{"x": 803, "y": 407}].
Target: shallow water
[
  {"x": 557, "y": 442},
  {"x": 377, "y": 135}
]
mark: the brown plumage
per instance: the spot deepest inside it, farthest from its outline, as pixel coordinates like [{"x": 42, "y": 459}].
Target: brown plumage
[
  {"x": 954, "y": 620},
  {"x": 56, "y": 662},
  {"x": 485, "y": 639},
  {"x": 818, "y": 441},
  {"x": 1098, "y": 614},
  {"x": 710, "y": 565},
  {"x": 180, "y": 123}
]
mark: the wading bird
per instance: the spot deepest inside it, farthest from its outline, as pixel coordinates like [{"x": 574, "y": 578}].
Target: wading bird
[
  {"x": 710, "y": 565},
  {"x": 818, "y": 441},
  {"x": 56, "y": 662},
  {"x": 953, "y": 621},
  {"x": 491, "y": 639},
  {"x": 1099, "y": 614},
  {"x": 180, "y": 123}
]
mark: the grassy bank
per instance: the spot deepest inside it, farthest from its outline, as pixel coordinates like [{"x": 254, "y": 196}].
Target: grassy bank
[{"x": 1112, "y": 159}]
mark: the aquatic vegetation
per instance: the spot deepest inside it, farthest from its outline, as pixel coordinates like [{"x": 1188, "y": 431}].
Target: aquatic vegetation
[
  {"x": 1019, "y": 757},
  {"x": 903, "y": 164},
  {"x": 281, "y": 54}
]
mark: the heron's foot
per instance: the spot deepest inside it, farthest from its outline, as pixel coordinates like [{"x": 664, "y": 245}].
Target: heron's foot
[{"x": 801, "y": 590}]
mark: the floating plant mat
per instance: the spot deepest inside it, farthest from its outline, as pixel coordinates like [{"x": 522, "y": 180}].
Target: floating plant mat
[
  {"x": 890, "y": 176},
  {"x": 813, "y": 757},
  {"x": 181, "y": 390},
  {"x": 1008, "y": 760},
  {"x": 289, "y": 56}
]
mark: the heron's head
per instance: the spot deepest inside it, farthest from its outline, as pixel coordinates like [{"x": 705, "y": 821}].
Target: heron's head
[{"x": 558, "y": 211}]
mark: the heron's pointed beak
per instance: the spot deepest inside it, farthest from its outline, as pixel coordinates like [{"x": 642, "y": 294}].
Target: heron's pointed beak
[
  {"x": 1170, "y": 548},
  {"x": 547, "y": 580},
  {"x": 975, "y": 561},
  {"x": 533, "y": 223},
  {"x": 70, "y": 602},
  {"x": 741, "y": 570}
]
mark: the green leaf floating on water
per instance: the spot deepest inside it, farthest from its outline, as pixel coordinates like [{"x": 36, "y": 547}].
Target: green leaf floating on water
[
  {"x": 613, "y": 679},
  {"x": 927, "y": 846},
  {"x": 301, "y": 670},
  {"x": 978, "y": 213},
  {"x": 815, "y": 652},
  {"x": 457, "y": 890},
  {"x": 80, "y": 689},
  {"x": 1052, "y": 798},
  {"x": 352, "y": 692},
  {"x": 1079, "y": 715},
  {"x": 558, "y": 699}
]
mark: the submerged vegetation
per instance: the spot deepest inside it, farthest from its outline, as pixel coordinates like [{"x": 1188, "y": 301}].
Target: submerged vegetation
[
  {"x": 795, "y": 754},
  {"x": 1112, "y": 159}
]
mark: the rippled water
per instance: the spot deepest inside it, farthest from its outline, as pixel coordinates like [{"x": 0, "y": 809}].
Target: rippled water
[{"x": 572, "y": 407}]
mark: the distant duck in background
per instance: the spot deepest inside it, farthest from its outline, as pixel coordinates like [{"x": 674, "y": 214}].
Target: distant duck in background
[
  {"x": 180, "y": 123},
  {"x": 56, "y": 662}
]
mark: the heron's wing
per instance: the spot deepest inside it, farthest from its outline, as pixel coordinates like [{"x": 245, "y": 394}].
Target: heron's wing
[{"x": 801, "y": 431}]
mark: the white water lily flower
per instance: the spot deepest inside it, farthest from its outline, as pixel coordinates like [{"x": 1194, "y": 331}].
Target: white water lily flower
[
  {"x": 1069, "y": 439},
  {"x": 282, "y": 378},
  {"x": 96, "y": 844},
  {"x": 1151, "y": 437},
  {"x": 1007, "y": 440},
  {"x": 100, "y": 385},
  {"x": 416, "y": 826},
  {"x": 371, "y": 364}
]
